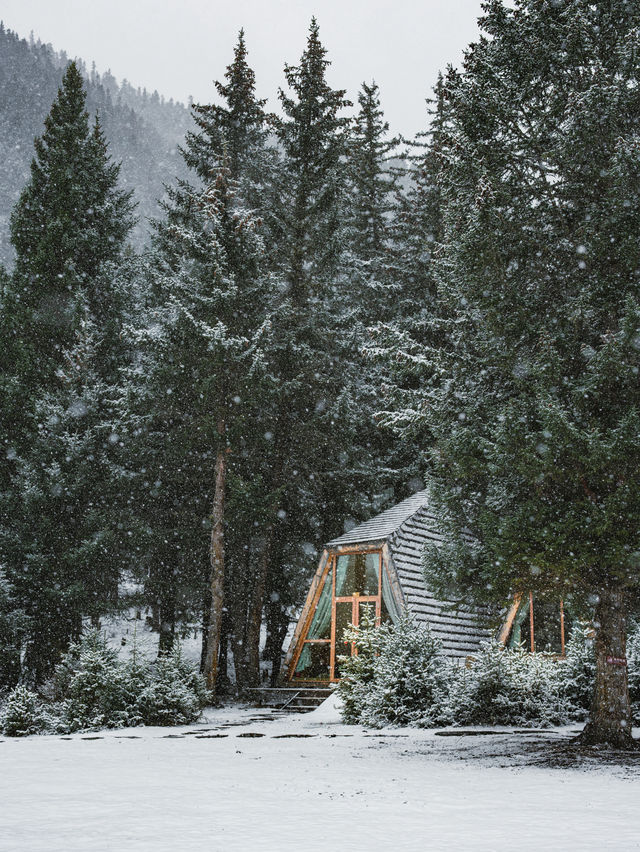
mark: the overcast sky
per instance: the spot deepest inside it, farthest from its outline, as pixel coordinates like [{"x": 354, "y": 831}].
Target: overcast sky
[{"x": 179, "y": 47}]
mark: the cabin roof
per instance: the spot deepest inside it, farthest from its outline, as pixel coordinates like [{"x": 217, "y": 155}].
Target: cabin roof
[
  {"x": 406, "y": 529},
  {"x": 385, "y": 524}
]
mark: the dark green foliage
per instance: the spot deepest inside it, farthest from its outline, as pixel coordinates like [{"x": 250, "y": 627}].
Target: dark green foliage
[
  {"x": 199, "y": 390},
  {"x": 396, "y": 678},
  {"x": 13, "y": 627},
  {"x": 96, "y": 690},
  {"x": 535, "y": 426},
  {"x": 143, "y": 129},
  {"x": 65, "y": 307},
  {"x": 530, "y": 404},
  {"x": 71, "y": 219},
  {"x": 23, "y": 713}
]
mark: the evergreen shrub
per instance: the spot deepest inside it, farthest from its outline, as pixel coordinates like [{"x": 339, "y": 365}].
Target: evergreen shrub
[
  {"x": 506, "y": 687},
  {"x": 396, "y": 678},
  {"x": 94, "y": 689},
  {"x": 23, "y": 713},
  {"x": 100, "y": 691},
  {"x": 399, "y": 678}
]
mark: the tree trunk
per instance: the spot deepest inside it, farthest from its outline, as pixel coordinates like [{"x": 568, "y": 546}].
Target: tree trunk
[
  {"x": 277, "y": 628},
  {"x": 216, "y": 576},
  {"x": 166, "y": 612},
  {"x": 206, "y": 608},
  {"x": 238, "y": 612},
  {"x": 254, "y": 618},
  {"x": 610, "y": 718},
  {"x": 223, "y": 650}
]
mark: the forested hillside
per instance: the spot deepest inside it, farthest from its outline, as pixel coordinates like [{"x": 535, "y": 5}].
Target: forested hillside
[
  {"x": 318, "y": 318},
  {"x": 143, "y": 130},
  {"x": 192, "y": 421}
]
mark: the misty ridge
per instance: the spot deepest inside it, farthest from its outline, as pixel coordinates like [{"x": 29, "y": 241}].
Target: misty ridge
[{"x": 143, "y": 130}]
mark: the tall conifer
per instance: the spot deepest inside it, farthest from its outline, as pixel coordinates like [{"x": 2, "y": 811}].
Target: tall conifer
[
  {"x": 532, "y": 402},
  {"x": 68, "y": 230}
]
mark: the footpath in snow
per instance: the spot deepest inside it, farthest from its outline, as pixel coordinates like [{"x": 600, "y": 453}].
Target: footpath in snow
[{"x": 246, "y": 780}]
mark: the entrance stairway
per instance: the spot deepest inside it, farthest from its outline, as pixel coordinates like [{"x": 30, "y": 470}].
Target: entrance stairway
[{"x": 291, "y": 699}]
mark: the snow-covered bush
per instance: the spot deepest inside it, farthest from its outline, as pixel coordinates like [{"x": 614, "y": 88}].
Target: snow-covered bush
[
  {"x": 357, "y": 671},
  {"x": 396, "y": 678},
  {"x": 23, "y": 713},
  {"x": 97, "y": 690},
  {"x": 92, "y": 683},
  {"x": 399, "y": 678},
  {"x": 507, "y": 687},
  {"x": 578, "y": 671},
  {"x": 175, "y": 695}
]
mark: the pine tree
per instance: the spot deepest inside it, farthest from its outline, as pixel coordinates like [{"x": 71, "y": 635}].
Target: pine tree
[
  {"x": 70, "y": 220},
  {"x": 64, "y": 299},
  {"x": 305, "y": 437},
  {"x": 533, "y": 401},
  {"x": 373, "y": 185},
  {"x": 202, "y": 373},
  {"x": 239, "y": 127}
]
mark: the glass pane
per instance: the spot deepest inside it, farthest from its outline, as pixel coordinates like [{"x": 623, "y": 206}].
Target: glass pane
[
  {"x": 321, "y": 624},
  {"x": 358, "y": 573},
  {"x": 520, "y": 632},
  {"x": 546, "y": 627},
  {"x": 314, "y": 661},
  {"x": 384, "y": 613},
  {"x": 344, "y": 617}
]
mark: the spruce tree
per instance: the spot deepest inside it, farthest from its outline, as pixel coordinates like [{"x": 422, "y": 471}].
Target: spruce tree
[
  {"x": 533, "y": 402},
  {"x": 60, "y": 305},
  {"x": 373, "y": 186},
  {"x": 202, "y": 374},
  {"x": 305, "y": 436},
  {"x": 70, "y": 220}
]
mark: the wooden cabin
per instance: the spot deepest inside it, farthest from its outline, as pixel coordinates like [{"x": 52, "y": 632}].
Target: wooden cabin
[{"x": 377, "y": 566}]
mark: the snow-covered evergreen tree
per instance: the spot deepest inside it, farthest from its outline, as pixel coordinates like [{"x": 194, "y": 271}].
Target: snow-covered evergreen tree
[
  {"x": 532, "y": 403},
  {"x": 201, "y": 373},
  {"x": 64, "y": 308},
  {"x": 70, "y": 220}
]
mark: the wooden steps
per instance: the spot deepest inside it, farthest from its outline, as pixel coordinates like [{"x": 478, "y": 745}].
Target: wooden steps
[{"x": 290, "y": 699}]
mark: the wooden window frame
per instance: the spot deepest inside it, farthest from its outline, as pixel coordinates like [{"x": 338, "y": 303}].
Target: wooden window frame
[
  {"x": 355, "y": 601},
  {"x": 506, "y": 630}
]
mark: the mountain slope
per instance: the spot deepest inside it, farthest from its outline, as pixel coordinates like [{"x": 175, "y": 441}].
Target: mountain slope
[{"x": 143, "y": 130}]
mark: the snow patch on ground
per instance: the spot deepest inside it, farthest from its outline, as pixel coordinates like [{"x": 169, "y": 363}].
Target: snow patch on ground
[{"x": 248, "y": 779}]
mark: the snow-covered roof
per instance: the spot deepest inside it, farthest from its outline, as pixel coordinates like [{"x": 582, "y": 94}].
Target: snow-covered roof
[
  {"x": 385, "y": 524},
  {"x": 406, "y": 529}
]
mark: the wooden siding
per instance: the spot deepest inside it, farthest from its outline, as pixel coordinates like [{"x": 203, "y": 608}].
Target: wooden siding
[{"x": 460, "y": 630}]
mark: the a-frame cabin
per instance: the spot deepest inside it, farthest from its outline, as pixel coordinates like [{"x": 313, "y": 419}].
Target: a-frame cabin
[{"x": 377, "y": 565}]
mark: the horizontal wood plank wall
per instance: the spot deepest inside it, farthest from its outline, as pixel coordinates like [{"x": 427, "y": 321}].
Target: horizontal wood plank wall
[{"x": 460, "y": 629}]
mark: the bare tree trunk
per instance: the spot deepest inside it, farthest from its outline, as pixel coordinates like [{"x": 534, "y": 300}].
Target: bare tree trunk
[
  {"x": 206, "y": 608},
  {"x": 254, "y": 617},
  {"x": 216, "y": 576},
  {"x": 610, "y": 718},
  {"x": 223, "y": 668},
  {"x": 277, "y": 628},
  {"x": 237, "y": 606}
]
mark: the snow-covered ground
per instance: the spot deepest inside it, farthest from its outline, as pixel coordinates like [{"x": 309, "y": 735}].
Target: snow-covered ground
[{"x": 245, "y": 780}]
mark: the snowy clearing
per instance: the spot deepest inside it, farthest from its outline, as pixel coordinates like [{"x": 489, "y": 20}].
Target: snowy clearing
[{"x": 247, "y": 779}]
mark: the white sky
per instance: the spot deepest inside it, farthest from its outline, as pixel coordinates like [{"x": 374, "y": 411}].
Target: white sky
[{"x": 180, "y": 47}]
